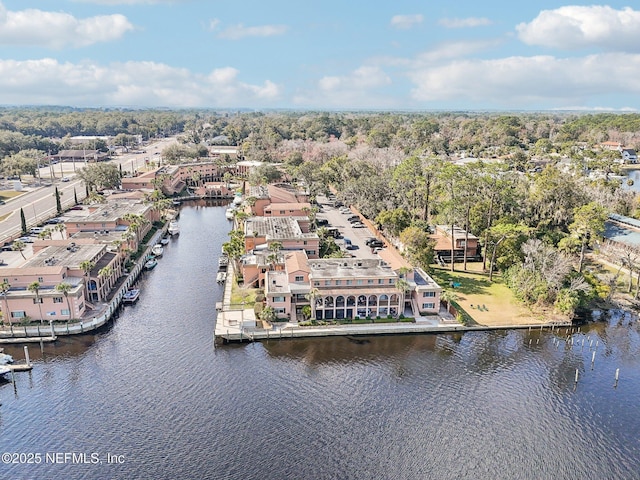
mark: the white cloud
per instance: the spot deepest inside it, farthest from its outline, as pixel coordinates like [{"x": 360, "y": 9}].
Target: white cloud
[
  {"x": 525, "y": 82},
  {"x": 464, "y": 22},
  {"x": 129, "y": 2},
  {"x": 405, "y": 22},
  {"x": 48, "y": 82},
  {"x": 359, "y": 88},
  {"x": 449, "y": 50},
  {"x": 239, "y": 31},
  {"x": 213, "y": 24},
  {"x": 575, "y": 27},
  {"x": 57, "y": 30}
]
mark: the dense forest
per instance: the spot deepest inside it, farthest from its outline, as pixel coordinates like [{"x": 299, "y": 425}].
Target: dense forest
[{"x": 517, "y": 181}]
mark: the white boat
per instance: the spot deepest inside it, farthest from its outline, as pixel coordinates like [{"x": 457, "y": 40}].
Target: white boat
[
  {"x": 4, "y": 370},
  {"x": 157, "y": 250},
  {"x": 150, "y": 264},
  {"x": 221, "y": 277},
  {"x": 4, "y": 359},
  {"x": 173, "y": 229},
  {"x": 131, "y": 296},
  {"x": 230, "y": 213},
  {"x": 237, "y": 200},
  {"x": 223, "y": 261},
  {"x": 164, "y": 241}
]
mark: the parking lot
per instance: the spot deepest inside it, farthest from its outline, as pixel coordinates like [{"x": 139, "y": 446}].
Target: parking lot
[{"x": 357, "y": 236}]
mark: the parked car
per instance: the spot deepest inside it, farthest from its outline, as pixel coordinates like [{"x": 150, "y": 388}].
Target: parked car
[
  {"x": 358, "y": 225},
  {"x": 65, "y": 179},
  {"x": 352, "y": 247},
  {"x": 376, "y": 250},
  {"x": 54, "y": 221},
  {"x": 7, "y": 247},
  {"x": 77, "y": 207},
  {"x": 353, "y": 218},
  {"x": 26, "y": 239},
  {"x": 36, "y": 230},
  {"x": 376, "y": 243}
]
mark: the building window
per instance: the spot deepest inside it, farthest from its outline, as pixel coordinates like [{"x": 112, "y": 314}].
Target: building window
[
  {"x": 316, "y": 284},
  {"x": 428, "y": 306},
  {"x": 37, "y": 300},
  {"x": 370, "y": 281},
  {"x": 338, "y": 282},
  {"x": 359, "y": 281},
  {"x": 299, "y": 278},
  {"x": 65, "y": 312},
  {"x": 18, "y": 314},
  {"x": 304, "y": 242},
  {"x": 349, "y": 282},
  {"x": 380, "y": 281},
  {"x": 40, "y": 279},
  {"x": 428, "y": 294},
  {"x": 327, "y": 283},
  {"x": 278, "y": 299},
  {"x": 392, "y": 281},
  {"x": 279, "y": 310}
]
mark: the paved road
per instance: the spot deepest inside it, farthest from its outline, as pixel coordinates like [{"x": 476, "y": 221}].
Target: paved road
[
  {"x": 339, "y": 220},
  {"x": 39, "y": 203}
]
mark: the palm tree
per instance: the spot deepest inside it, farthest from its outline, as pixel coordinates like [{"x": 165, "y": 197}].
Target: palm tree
[
  {"x": 61, "y": 227},
  {"x": 104, "y": 273},
  {"x": 65, "y": 288},
  {"x": 19, "y": 246},
  {"x": 34, "y": 287},
  {"x": 448, "y": 296},
  {"x": 311, "y": 296},
  {"x": 4, "y": 289},
  {"x": 86, "y": 266}
]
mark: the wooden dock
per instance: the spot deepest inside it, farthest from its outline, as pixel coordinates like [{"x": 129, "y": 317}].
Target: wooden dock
[
  {"x": 19, "y": 367},
  {"x": 9, "y": 340}
]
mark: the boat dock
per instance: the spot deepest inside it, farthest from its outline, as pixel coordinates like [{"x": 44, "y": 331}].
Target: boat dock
[
  {"x": 235, "y": 333},
  {"x": 19, "y": 367},
  {"x": 25, "y": 339}
]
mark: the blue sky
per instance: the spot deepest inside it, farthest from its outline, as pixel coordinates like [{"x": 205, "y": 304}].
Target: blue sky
[{"x": 330, "y": 55}]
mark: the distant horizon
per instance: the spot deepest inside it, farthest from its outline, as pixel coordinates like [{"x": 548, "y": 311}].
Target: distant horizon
[
  {"x": 317, "y": 110},
  {"x": 400, "y": 56}
]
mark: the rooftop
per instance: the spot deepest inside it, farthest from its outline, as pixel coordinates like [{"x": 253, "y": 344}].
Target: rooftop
[
  {"x": 276, "y": 282},
  {"x": 113, "y": 211},
  {"x": 330, "y": 268},
  {"x": 275, "y": 228},
  {"x": 71, "y": 255}
]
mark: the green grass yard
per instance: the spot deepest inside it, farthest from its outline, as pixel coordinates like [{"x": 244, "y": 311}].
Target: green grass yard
[{"x": 488, "y": 303}]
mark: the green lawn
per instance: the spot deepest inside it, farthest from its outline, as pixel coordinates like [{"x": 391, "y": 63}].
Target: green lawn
[
  {"x": 487, "y": 303},
  {"x": 241, "y": 294}
]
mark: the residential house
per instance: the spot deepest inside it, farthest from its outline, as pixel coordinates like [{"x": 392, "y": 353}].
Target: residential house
[
  {"x": 19, "y": 303},
  {"x": 629, "y": 155},
  {"x": 461, "y": 242}
]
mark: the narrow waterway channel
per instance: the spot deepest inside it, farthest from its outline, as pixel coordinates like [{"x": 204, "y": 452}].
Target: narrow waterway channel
[{"x": 152, "y": 392}]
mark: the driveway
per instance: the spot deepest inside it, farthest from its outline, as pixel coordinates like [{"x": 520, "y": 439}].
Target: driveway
[{"x": 339, "y": 220}]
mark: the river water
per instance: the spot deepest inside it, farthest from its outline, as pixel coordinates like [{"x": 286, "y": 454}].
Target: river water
[{"x": 152, "y": 392}]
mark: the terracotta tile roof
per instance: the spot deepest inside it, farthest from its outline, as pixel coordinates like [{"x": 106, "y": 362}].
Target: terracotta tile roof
[{"x": 297, "y": 261}]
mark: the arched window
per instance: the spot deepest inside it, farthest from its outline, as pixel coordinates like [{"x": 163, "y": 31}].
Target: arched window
[
  {"x": 328, "y": 301},
  {"x": 339, "y": 301},
  {"x": 373, "y": 300},
  {"x": 351, "y": 301},
  {"x": 362, "y": 300}
]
